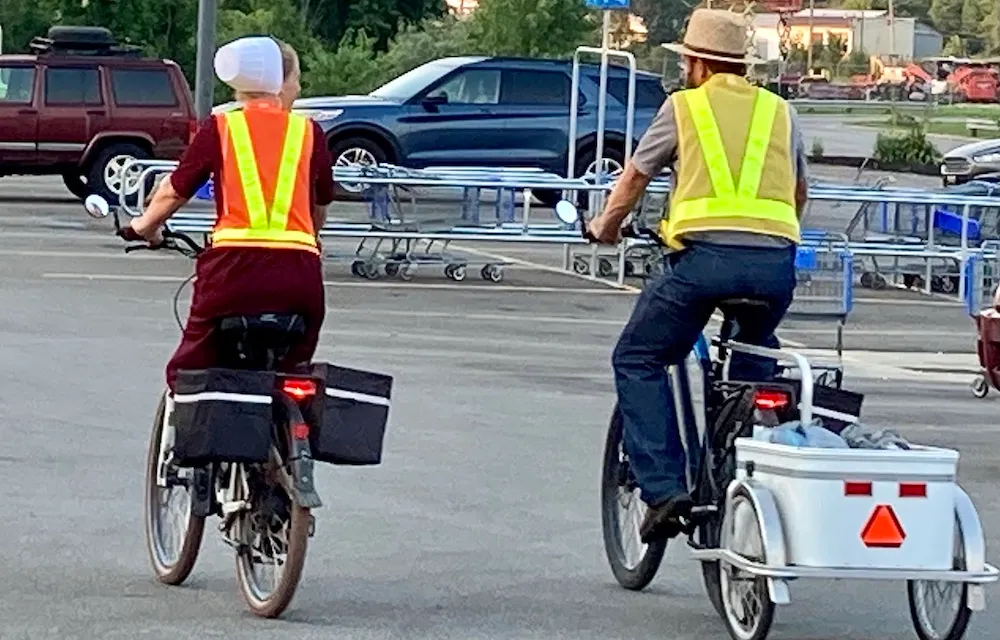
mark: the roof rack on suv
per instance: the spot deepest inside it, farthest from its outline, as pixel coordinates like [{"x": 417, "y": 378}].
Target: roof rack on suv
[{"x": 88, "y": 41}]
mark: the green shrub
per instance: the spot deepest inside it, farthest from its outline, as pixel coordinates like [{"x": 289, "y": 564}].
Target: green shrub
[{"x": 910, "y": 148}]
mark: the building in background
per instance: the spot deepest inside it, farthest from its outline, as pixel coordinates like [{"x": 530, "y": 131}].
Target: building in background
[
  {"x": 913, "y": 40},
  {"x": 866, "y": 31}
]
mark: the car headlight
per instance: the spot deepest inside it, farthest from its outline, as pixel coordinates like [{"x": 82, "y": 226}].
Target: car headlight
[
  {"x": 988, "y": 157},
  {"x": 319, "y": 115}
]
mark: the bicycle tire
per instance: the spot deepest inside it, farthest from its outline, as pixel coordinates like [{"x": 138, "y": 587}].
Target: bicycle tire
[
  {"x": 299, "y": 524},
  {"x": 179, "y": 571},
  {"x": 638, "y": 577},
  {"x": 298, "y": 540},
  {"x": 710, "y": 532}
]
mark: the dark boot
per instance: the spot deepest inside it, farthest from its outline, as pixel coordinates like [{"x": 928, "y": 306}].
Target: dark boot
[{"x": 663, "y": 520}]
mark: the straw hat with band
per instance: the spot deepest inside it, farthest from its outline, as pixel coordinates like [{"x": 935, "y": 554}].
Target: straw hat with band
[{"x": 716, "y": 34}]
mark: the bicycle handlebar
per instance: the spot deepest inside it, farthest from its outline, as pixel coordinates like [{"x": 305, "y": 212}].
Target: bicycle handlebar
[
  {"x": 172, "y": 241},
  {"x": 632, "y": 231}
]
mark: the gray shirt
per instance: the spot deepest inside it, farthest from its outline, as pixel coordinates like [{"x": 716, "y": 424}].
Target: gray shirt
[{"x": 658, "y": 149}]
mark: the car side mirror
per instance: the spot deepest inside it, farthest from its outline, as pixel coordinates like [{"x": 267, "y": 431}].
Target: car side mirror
[{"x": 432, "y": 102}]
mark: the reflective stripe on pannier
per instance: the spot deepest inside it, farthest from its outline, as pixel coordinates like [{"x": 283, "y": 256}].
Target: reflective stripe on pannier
[{"x": 222, "y": 415}]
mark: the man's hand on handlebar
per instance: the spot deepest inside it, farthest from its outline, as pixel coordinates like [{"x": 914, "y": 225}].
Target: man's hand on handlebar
[{"x": 604, "y": 230}]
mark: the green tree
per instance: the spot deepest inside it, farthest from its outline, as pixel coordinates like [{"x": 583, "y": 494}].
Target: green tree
[
  {"x": 431, "y": 39},
  {"x": 947, "y": 15},
  {"x": 330, "y": 20},
  {"x": 919, "y": 9},
  {"x": 537, "y": 28},
  {"x": 22, "y": 20},
  {"x": 991, "y": 31},
  {"x": 664, "y": 19}
]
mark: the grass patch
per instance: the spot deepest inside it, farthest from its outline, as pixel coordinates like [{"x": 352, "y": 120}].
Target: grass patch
[
  {"x": 950, "y": 110},
  {"x": 939, "y": 128}
]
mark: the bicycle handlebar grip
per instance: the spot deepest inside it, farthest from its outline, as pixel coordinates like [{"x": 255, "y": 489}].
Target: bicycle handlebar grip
[{"x": 128, "y": 234}]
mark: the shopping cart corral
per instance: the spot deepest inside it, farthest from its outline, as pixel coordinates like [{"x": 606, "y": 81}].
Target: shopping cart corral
[
  {"x": 399, "y": 236},
  {"x": 921, "y": 239},
  {"x": 403, "y": 232}
]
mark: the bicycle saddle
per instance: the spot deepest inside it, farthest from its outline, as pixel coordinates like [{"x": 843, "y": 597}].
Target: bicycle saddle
[
  {"x": 272, "y": 330},
  {"x": 732, "y": 306}
]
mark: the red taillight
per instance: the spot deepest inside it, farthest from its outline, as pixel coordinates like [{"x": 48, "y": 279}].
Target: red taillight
[
  {"x": 769, "y": 399},
  {"x": 298, "y": 389}
]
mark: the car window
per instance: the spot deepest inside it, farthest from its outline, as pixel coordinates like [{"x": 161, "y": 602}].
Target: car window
[
  {"x": 546, "y": 88},
  {"x": 72, "y": 85},
  {"x": 473, "y": 86},
  {"x": 16, "y": 84},
  {"x": 142, "y": 88},
  {"x": 413, "y": 81},
  {"x": 649, "y": 93}
]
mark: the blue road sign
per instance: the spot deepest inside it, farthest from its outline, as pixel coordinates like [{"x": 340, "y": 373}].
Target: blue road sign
[{"x": 609, "y": 4}]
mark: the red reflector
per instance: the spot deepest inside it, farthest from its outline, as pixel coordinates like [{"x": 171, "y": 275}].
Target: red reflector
[
  {"x": 300, "y": 431},
  {"x": 298, "y": 389},
  {"x": 769, "y": 400},
  {"x": 857, "y": 489},
  {"x": 883, "y": 530},
  {"x": 912, "y": 490}
]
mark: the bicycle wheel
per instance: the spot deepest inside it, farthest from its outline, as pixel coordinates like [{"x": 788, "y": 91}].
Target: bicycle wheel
[
  {"x": 951, "y": 597},
  {"x": 172, "y": 556},
  {"x": 747, "y": 608},
  {"x": 274, "y": 534},
  {"x": 633, "y": 563},
  {"x": 717, "y": 470}
]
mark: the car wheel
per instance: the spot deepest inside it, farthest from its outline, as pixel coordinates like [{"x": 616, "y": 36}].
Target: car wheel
[
  {"x": 76, "y": 185},
  {"x": 586, "y": 167},
  {"x": 353, "y": 152},
  {"x": 106, "y": 178}
]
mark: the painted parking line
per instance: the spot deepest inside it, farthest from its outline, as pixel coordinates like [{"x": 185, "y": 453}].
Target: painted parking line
[
  {"x": 548, "y": 268},
  {"x": 460, "y": 287}
]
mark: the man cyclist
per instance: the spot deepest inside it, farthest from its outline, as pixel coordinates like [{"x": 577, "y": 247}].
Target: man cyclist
[
  {"x": 272, "y": 186},
  {"x": 740, "y": 187}
]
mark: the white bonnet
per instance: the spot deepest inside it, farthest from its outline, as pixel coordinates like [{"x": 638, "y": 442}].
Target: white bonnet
[{"x": 251, "y": 64}]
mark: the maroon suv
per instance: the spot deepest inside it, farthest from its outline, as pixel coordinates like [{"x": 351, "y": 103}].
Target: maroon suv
[{"x": 80, "y": 106}]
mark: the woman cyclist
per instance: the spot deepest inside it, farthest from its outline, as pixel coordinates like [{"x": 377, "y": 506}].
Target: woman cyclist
[{"x": 272, "y": 172}]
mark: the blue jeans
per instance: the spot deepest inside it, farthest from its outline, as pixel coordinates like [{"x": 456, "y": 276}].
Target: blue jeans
[{"x": 668, "y": 317}]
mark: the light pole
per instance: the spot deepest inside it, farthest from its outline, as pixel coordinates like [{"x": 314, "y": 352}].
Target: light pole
[
  {"x": 809, "y": 43},
  {"x": 204, "y": 75}
]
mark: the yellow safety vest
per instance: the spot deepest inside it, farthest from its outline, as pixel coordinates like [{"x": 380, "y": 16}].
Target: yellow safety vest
[
  {"x": 260, "y": 134},
  {"x": 705, "y": 196}
]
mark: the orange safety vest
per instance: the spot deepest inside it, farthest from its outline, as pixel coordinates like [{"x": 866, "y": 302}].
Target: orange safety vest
[{"x": 265, "y": 182}]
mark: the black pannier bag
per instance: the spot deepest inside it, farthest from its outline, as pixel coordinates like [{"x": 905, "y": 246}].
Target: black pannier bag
[
  {"x": 223, "y": 415},
  {"x": 349, "y": 415}
]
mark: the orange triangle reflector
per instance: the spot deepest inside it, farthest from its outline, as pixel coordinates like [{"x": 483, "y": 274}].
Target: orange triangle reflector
[{"x": 883, "y": 529}]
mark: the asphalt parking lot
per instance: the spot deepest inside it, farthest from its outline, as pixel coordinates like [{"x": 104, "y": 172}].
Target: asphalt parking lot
[{"x": 482, "y": 522}]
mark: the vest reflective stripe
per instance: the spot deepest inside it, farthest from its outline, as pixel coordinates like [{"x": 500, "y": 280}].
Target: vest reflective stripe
[
  {"x": 732, "y": 207},
  {"x": 266, "y": 228}
]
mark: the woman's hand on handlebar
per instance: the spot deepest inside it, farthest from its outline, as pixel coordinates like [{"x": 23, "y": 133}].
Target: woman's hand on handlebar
[{"x": 130, "y": 233}]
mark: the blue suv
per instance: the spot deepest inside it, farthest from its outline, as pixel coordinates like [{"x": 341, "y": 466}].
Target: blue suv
[{"x": 481, "y": 111}]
